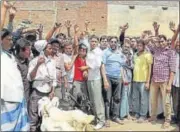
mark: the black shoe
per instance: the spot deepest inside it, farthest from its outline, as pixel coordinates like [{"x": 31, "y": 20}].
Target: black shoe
[{"x": 173, "y": 122}]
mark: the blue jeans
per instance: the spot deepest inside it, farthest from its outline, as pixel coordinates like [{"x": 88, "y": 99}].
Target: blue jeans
[
  {"x": 140, "y": 99},
  {"x": 125, "y": 95}
]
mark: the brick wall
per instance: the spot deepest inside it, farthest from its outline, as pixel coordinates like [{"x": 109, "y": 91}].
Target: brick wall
[{"x": 48, "y": 12}]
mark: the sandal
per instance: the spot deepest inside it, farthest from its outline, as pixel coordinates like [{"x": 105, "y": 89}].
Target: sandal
[
  {"x": 107, "y": 124},
  {"x": 166, "y": 125}
]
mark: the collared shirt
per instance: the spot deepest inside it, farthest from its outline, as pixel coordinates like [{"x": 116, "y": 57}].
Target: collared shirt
[
  {"x": 141, "y": 66},
  {"x": 113, "y": 62},
  {"x": 23, "y": 67},
  {"x": 70, "y": 73},
  {"x": 60, "y": 70},
  {"x": 45, "y": 77},
  {"x": 12, "y": 89},
  {"x": 176, "y": 82},
  {"x": 94, "y": 61},
  {"x": 164, "y": 63}
]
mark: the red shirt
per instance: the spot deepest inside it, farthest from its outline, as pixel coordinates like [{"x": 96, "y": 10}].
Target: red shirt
[{"x": 78, "y": 74}]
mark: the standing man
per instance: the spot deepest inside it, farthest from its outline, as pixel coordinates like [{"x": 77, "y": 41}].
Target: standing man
[
  {"x": 69, "y": 63},
  {"x": 22, "y": 51},
  {"x": 141, "y": 80},
  {"x": 42, "y": 73},
  {"x": 164, "y": 69},
  {"x": 113, "y": 61},
  {"x": 60, "y": 70},
  {"x": 95, "y": 69},
  {"x": 14, "y": 115}
]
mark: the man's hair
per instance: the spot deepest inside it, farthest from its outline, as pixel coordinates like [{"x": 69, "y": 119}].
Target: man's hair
[
  {"x": 4, "y": 33},
  {"x": 93, "y": 36},
  {"x": 61, "y": 34},
  {"x": 67, "y": 43},
  {"x": 141, "y": 41},
  {"x": 163, "y": 36},
  {"x": 31, "y": 37},
  {"x": 53, "y": 41},
  {"x": 113, "y": 37},
  {"x": 103, "y": 37},
  {"x": 21, "y": 44}
]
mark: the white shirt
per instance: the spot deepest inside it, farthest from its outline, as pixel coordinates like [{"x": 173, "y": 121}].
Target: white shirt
[
  {"x": 94, "y": 61},
  {"x": 70, "y": 73},
  {"x": 12, "y": 88},
  {"x": 176, "y": 82},
  {"x": 46, "y": 72}
]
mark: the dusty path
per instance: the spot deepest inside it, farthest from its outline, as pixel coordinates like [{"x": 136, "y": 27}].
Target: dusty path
[{"x": 133, "y": 126}]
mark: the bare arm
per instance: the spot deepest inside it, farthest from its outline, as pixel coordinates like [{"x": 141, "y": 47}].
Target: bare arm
[
  {"x": 105, "y": 80},
  {"x": 51, "y": 32},
  {"x": 122, "y": 34},
  {"x": 76, "y": 42},
  {"x": 12, "y": 13},
  {"x": 149, "y": 73},
  {"x": 68, "y": 26},
  {"x": 156, "y": 28},
  {"x": 175, "y": 37},
  {"x": 87, "y": 28},
  {"x": 4, "y": 8},
  {"x": 68, "y": 66},
  {"x": 34, "y": 71}
]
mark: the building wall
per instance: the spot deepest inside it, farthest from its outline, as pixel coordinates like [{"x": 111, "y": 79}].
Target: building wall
[
  {"x": 141, "y": 17},
  {"x": 49, "y": 12},
  {"x": 105, "y": 17}
]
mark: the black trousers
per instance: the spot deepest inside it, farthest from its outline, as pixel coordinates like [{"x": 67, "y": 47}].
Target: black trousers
[{"x": 112, "y": 98}]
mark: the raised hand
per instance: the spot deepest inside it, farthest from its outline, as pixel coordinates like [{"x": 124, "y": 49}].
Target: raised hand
[
  {"x": 172, "y": 26},
  {"x": 125, "y": 27},
  {"x": 156, "y": 26},
  {"x": 57, "y": 25},
  {"x": 7, "y": 5},
  {"x": 87, "y": 23},
  {"x": 76, "y": 28},
  {"x": 12, "y": 11},
  {"x": 68, "y": 24},
  {"x": 40, "y": 28}
]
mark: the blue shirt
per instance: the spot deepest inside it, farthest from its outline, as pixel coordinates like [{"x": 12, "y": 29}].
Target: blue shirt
[{"x": 113, "y": 62}]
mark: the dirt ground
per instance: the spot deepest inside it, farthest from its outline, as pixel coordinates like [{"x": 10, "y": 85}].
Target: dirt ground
[{"x": 133, "y": 126}]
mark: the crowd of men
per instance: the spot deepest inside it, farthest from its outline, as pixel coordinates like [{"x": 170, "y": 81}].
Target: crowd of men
[{"x": 121, "y": 75}]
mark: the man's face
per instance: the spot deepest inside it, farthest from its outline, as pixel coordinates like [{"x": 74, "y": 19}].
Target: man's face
[
  {"x": 93, "y": 43},
  {"x": 163, "y": 43},
  {"x": 104, "y": 44},
  {"x": 140, "y": 47},
  {"x": 61, "y": 39},
  {"x": 68, "y": 49},
  {"x": 26, "y": 52},
  {"x": 48, "y": 50},
  {"x": 133, "y": 43},
  {"x": 113, "y": 44},
  {"x": 55, "y": 48},
  {"x": 126, "y": 48},
  {"x": 7, "y": 41}
]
